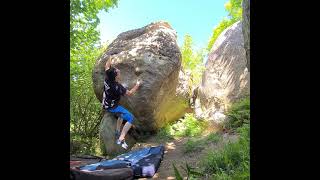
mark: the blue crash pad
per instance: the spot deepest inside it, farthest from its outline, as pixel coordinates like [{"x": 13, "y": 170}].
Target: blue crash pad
[
  {"x": 144, "y": 162},
  {"x": 106, "y": 163}
]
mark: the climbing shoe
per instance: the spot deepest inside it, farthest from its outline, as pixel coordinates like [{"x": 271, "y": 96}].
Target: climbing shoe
[{"x": 122, "y": 143}]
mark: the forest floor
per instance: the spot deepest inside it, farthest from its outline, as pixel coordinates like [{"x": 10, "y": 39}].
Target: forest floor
[{"x": 175, "y": 152}]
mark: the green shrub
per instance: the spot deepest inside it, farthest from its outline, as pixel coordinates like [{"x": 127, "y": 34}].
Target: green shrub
[
  {"x": 231, "y": 162},
  {"x": 188, "y": 126},
  {"x": 191, "y": 126},
  {"x": 165, "y": 133},
  {"x": 214, "y": 137},
  {"x": 85, "y": 146},
  {"x": 238, "y": 114}
]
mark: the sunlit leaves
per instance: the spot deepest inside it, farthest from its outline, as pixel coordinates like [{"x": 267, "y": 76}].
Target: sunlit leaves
[
  {"x": 192, "y": 61},
  {"x": 85, "y": 48},
  {"x": 234, "y": 9}
]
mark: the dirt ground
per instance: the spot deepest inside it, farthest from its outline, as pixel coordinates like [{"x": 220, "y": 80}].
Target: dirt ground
[{"x": 174, "y": 154}]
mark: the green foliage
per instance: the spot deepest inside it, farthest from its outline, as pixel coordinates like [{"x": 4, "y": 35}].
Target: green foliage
[
  {"x": 191, "y": 173},
  {"x": 188, "y": 126},
  {"x": 84, "y": 20},
  {"x": 235, "y": 14},
  {"x": 84, "y": 37},
  {"x": 186, "y": 51},
  {"x": 177, "y": 173},
  {"x": 214, "y": 137},
  {"x": 165, "y": 133},
  {"x": 85, "y": 110},
  {"x": 224, "y": 24},
  {"x": 193, "y": 145},
  {"x": 192, "y": 61},
  {"x": 234, "y": 8},
  {"x": 81, "y": 145},
  {"x": 238, "y": 114},
  {"x": 231, "y": 162}
]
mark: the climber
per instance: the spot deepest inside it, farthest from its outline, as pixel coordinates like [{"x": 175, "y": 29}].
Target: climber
[{"x": 112, "y": 93}]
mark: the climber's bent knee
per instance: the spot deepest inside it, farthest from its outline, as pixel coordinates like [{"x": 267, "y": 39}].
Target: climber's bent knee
[
  {"x": 125, "y": 114},
  {"x": 128, "y": 117}
]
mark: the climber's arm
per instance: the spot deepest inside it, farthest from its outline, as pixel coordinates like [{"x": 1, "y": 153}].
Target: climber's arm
[
  {"x": 108, "y": 64},
  {"x": 134, "y": 89}
]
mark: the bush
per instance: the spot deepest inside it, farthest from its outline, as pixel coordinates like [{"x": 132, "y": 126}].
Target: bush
[
  {"x": 85, "y": 146},
  {"x": 214, "y": 137},
  {"x": 165, "y": 133},
  {"x": 189, "y": 126},
  {"x": 231, "y": 162},
  {"x": 238, "y": 114}
]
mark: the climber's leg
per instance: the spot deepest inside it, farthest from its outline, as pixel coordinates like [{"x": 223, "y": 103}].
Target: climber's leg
[
  {"x": 127, "y": 116},
  {"x": 125, "y": 130}
]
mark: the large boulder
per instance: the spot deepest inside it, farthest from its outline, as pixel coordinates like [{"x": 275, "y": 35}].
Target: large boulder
[
  {"x": 184, "y": 88},
  {"x": 246, "y": 29},
  {"x": 107, "y": 136},
  {"x": 151, "y": 54},
  {"x": 226, "y": 76}
]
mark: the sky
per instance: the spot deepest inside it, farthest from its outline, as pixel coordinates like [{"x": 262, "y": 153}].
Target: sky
[{"x": 194, "y": 17}]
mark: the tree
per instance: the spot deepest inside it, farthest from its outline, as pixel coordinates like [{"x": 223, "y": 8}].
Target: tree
[
  {"x": 192, "y": 61},
  {"x": 235, "y": 14},
  {"x": 85, "y": 48},
  {"x": 186, "y": 51},
  {"x": 84, "y": 20},
  {"x": 84, "y": 37},
  {"x": 234, "y": 8}
]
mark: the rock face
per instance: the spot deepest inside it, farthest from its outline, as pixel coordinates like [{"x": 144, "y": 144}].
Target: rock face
[
  {"x": 183, "y": 88},
  {"x": 107, "y": 135},
  {"x": 226, "y": 77},
  {"x": 152, "y": 55},
  {"x": 246, "y": 29}
]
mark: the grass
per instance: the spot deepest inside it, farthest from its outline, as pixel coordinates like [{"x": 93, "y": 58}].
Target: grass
[
  {"x": 198, "y": 144},
  {"x": 214, "y": 137},
  {"x": 191, "y": 173},
  {"x": 238, "y": 114},
  {"x": 232, "y": 161},
  {"x": 191, "y": 127},
  {"x": 193, "y": 146}
]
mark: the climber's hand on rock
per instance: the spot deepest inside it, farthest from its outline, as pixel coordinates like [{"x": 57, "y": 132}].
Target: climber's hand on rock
[
  {"x": 138, "y": 83},
  {"x": 133, "y": 90}
]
